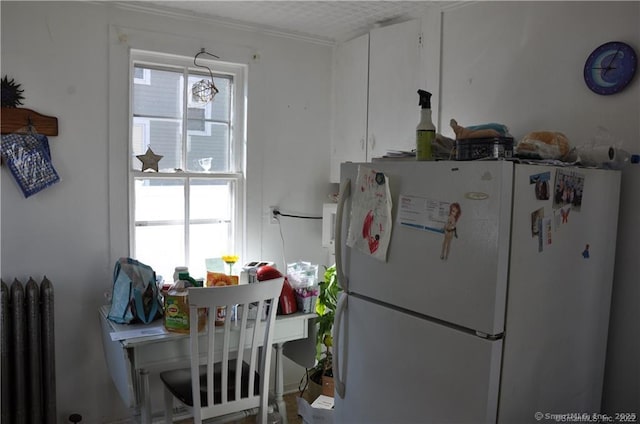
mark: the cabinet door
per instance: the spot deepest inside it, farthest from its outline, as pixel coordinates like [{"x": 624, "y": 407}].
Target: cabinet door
[
  {"x": 350, "y": 104},
  {"x": 394, "y": 80}
]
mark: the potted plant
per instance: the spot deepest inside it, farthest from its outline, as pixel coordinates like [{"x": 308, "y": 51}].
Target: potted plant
[{"x": 326, "y": 303}]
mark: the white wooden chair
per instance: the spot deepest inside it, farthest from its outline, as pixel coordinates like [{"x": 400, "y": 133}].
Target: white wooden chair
[{"x": 213, "y": 388}]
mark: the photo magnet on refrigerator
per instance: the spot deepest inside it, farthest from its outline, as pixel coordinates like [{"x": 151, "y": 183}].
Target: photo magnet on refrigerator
[
  {"x": 568, "y": 190},
  {"x": 546, "y": 225},
  {"x": 536, "y": 219},
  {"x": 450, "y": 230},
  {"x": 541, "y": 182}
]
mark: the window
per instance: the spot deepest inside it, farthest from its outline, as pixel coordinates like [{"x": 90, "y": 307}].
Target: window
[{"x": 192, "y": 208}]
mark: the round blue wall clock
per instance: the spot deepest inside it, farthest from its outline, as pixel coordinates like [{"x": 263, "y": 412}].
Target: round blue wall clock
[{"x": 610, "y": 67}]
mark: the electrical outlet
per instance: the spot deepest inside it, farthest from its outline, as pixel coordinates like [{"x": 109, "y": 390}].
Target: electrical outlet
[{"x": 273, "y": 217}]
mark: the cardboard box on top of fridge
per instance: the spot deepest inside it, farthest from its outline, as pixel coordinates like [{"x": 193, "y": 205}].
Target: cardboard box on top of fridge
[{"x": 319, "y": 412}]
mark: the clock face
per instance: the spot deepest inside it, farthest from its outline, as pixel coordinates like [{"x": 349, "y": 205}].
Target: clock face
[{"x": 610, "y": 68}]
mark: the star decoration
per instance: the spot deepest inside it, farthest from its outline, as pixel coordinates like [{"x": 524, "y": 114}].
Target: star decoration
[{"x": 149, "y": 160}]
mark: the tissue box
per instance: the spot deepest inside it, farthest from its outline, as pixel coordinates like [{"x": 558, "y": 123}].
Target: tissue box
[{"x": 319, "y": 412}]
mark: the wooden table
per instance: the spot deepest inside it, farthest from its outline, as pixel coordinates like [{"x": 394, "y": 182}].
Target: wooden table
[{"x": 134, "y": 351}]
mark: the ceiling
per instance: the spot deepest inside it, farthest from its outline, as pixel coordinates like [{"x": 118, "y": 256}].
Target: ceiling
[{"x": 324, "y": 21}]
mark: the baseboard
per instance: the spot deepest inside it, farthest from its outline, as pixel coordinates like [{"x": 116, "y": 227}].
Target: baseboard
[{"x": 291, "y": 388}]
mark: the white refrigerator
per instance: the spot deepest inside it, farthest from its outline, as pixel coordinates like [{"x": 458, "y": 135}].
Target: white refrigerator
[{"x": 473, "y": 291}]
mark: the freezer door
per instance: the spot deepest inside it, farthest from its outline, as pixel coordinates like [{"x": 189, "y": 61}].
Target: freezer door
[
  {"x": 559, "y": 292},
  {"x": 464, "y": 284},
  {"x": 399, "y": 368}
]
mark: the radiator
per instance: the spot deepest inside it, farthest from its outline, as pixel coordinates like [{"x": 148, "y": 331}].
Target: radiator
[{"x": 28, "y": 353}]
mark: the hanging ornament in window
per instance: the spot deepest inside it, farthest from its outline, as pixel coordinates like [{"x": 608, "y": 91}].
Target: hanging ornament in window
[{"x": 204, "y": 90}]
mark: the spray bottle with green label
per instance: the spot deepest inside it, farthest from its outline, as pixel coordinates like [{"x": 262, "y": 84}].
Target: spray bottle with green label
[{"x": 426, "y": 131}]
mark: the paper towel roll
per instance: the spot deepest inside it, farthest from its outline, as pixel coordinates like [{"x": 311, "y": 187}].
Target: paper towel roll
[{"x": 602, "y": 157}]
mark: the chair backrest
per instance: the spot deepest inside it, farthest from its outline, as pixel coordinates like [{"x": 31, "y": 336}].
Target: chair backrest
[{"x": 241, "y": 338}]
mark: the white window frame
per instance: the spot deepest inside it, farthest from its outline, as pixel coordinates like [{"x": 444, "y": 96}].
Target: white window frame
[{"x": 237, "y": 172}]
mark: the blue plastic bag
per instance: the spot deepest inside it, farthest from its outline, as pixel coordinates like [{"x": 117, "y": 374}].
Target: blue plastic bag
[{"x": 135, "y": 296}]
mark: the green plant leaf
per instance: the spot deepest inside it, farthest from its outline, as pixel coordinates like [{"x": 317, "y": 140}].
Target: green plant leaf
[{"x": 326, "y": 304}]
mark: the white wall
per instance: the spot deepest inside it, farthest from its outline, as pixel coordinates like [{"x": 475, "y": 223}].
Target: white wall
[
  {"x": 69, "y": 60},
  {"x": 520, "y": 64}
]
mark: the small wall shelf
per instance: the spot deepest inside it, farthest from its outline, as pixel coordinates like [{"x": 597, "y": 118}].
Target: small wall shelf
[{"x": 13, "y": 119}]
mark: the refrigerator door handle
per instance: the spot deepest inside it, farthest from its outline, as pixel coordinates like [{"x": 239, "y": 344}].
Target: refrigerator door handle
[
  {"x": 345, "y": 191},
  {"x": 340, "y": 307}
]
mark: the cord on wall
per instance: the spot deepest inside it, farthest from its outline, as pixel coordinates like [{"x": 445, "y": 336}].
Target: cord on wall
[
  {"x": 284, "y": 256},
  {"x": 276, "y": 212},
  {"x": 275, "y": 215}
]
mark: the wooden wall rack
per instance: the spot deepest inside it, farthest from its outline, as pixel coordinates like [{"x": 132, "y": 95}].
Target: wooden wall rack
[{"x": 13, "y": 119}]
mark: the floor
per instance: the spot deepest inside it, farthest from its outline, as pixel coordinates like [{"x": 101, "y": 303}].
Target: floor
[{"x": 292, "y": 409}]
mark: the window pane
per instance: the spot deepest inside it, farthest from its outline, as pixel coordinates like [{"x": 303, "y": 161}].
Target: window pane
[
  {"x": 163, "y": 136},
  {"x": 159, "y": 199},
  {"x": 161, "y": 97},
  {"x": 210, "y": 200},
  {"x": 208, "y": 241},
  {"x": 161, "y": 247},
  {"x": 138, "y": 73},
  {"x": 221, "y": 105},
  {"x": 209, "y": 150},
  {"x": 159, "y": 223}
]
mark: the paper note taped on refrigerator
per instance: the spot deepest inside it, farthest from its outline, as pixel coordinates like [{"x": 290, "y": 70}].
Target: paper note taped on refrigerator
[
  {"x": 370, "y": 223},
  {"x": 422, "y": 213}
]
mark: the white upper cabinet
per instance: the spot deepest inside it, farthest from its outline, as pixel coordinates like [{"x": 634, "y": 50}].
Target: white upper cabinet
[
  {"x": 376, "y": 79},
  {"x": 394, "y": 80},
  {"x": 351, "y": 82}
]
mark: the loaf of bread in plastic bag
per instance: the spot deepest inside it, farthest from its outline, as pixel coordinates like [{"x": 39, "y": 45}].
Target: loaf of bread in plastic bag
[{"x": 544, "y": 145}]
